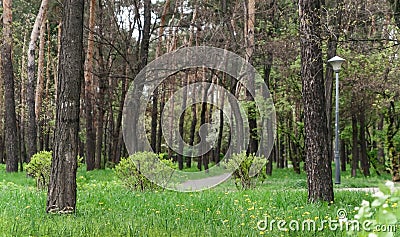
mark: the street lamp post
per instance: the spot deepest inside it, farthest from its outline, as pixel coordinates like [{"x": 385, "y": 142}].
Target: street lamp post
[{"x": 336, "y": 63}]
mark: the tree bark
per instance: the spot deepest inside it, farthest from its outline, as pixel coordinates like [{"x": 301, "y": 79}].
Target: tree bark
[
  {"x": 250, "y": 45},
  {"x": 354, "y": 150},
  {"x": 89, "y": 91},
  {"x": 343, "y": 155},
  {"x": 192, "y": 127},
  {"x": 100, "y": 120},
  {"x": 363, "y": 145},
  {"x": 319, "y": 170},
  {"x": 182, "y": 121},
  {"x": 40, "y": 69},
  {"x": 2, "y": 153},
  {"x": 10, "y": 122},
  {"x": 159, "y": 132},
  {"x": 62, "y": 187},
  {"x": 31, "y": 133},
  {"x": 154, "y": 112},
  {"x": 143, "y": 57}
]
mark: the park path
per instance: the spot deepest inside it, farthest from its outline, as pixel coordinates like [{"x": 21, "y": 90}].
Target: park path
[{"x": 199, "y": 184}]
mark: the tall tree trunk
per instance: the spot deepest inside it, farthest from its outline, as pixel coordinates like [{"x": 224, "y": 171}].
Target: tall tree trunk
[
  {"x": 47, "y": 98},
  {"x": 62, "y": 187},
  {"x": 182, "y": 121},
  {"x": 154, "y": 117},
  {"x": 117, "y": 135},
  {"x": 192, "y": 128},
  {"x": 218, "y": 150},
  {"x": 154, "y": 112},
  {"x": 100, "y": 121},
  {"x": 22, "y": 101},
  {"x": 203, "y": 159},
  {"x": 250, "y": 14},
  {"x": 143, "y": 57},
  {"x": 319, "y": 170},
  {"x": 354, "y": 150},
  {"x": 31, "y": 135},
  {"x": 268, "y": 61},
  {"x": 159, "y": 132},
  {"x": 89, "y": 91},
  {"x": 363, "y": 145},
  {"x": 2, "y": 153},
  {"x": 10, "y": 122},
  {"x": 343, "y": 155},
  {"x": 40, "y": 70}
]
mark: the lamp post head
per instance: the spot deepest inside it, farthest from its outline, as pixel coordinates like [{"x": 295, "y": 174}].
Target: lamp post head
[{"x": 336, "y": 62}]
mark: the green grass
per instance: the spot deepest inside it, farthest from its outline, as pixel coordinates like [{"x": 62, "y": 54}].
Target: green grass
[{"x": 106, "y": 208}]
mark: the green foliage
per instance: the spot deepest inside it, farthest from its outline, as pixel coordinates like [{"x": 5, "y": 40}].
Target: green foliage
[
  {"x": 130, "y": 170},
  {"x": 241, "y": 163},
  {"x": 381, "y": 215},
  {"x": 39, "y": 167}
]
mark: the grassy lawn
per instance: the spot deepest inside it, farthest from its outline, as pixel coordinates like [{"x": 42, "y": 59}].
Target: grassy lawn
[{"x": 106, "y": 208}]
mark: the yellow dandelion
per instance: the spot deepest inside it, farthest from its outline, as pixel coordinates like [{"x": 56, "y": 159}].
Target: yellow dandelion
[
  {"x": 262, "y": 232},
  {"x": 251, "y": 208},
  {"x": 306, "y": 213},
  {"x": 394, "y": 204},
  {"x": 27, "y": 207},
  {"x": 218, "y": 212},
  {"x": 253, "y": 216}
]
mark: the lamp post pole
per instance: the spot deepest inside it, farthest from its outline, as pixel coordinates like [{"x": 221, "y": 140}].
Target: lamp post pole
[
  {"x": 337, "y": 154},
  {"x": 336, "y": 62}
]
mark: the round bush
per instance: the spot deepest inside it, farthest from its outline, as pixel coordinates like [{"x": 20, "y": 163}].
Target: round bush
[{"x": 39, "y": 167}]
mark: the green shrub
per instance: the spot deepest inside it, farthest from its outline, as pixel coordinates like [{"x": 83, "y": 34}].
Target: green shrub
[
  {"x": 241, "y": 163},
  {"x": 130, "y": 170},
  {"x": 39, "y": 167}
]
